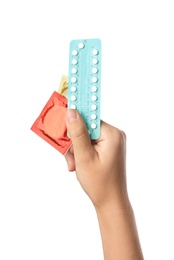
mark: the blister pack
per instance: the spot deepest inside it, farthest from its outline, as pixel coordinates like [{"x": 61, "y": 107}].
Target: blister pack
[{"x": 85, "y": 82}]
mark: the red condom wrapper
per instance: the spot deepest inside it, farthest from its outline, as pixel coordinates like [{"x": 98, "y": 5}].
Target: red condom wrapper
[{"x": 51, "y": 123}]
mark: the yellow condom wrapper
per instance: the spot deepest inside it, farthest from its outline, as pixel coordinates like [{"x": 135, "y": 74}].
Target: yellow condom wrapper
[{"x": 63, "y": 87}]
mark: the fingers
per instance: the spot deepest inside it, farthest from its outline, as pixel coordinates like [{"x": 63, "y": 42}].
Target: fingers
[
  {"x": 124, "y": 135},
  {"x": 69, "y": 156},
  {"x": 111, "y": 134},
  {"x": 108, "y": 131},
  {"x": 83, "y": 149}
]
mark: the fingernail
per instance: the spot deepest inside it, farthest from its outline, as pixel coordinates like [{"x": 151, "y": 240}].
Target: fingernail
[{"x": 71, "y": 115}]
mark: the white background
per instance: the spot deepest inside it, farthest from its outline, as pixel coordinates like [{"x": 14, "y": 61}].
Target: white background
[{"x": 44, "y": 214}]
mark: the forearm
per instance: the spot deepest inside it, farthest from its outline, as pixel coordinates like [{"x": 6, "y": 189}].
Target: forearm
[
  {"x": 100, "y": 167},
  {"x": 118, "y": 231}
]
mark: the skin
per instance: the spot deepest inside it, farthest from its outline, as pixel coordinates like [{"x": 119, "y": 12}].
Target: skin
[{"x": 100, "y": 168}]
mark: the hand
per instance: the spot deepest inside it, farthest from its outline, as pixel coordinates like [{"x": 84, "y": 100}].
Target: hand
[
  {"x": 101, "y": 170},
  {"x": 99, "y": 165}
]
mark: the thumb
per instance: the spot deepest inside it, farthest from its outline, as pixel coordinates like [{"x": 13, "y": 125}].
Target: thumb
[{"x": 83, "y": 149}]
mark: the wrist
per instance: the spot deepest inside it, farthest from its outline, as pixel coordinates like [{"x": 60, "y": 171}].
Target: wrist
[
  {"x": 118, "y": 230},
  {"x": 113, "y": 205}
]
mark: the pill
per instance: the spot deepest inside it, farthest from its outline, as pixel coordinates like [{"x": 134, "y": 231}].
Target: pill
[
  {"x": 93, "y": 125},
  {"x": 74, "y": 61},
  {"x": 95, "y": 61},
  {"x": 95, "y": 52},
  {"x": 94, "y": 88},
  {"x": 73, "y": 79},
  {"x": 94, "y": 70},
  {"x": 94, "y": 98},
  {"x": 93, "y": 107},
  {"x": 74, "y": 70},
  {"x": 73, "y": 89},
  {"x": 73, "y": 106},
  {"x": 74, "y": 52},
  {"x": 73, "y": 98},
  {"x": 94, "y": 79},
  {"x": 81, "y": 45},
  {"x": 93, "y": 116}
]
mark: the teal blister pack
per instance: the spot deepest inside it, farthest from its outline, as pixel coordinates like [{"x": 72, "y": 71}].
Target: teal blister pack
[{"x": 84, "y": 82}]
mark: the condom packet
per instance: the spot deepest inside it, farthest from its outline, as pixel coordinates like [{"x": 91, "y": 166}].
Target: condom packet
[
  {"x": 51, "y": 125},
  {"x": 63, "y": 87}
]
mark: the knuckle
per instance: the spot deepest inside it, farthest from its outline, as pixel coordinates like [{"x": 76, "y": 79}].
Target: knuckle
[{"x": 119, "y": 137}]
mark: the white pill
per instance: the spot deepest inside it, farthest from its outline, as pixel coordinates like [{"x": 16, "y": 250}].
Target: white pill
[
  {"x": 94, "y": 79},
  {"x": 94, "y": 70},
  {"x": 93, "y": 116},
  {"x": 93, "y": 107},
  {"x": 74, "y": 52},
  {"x": 94, "y": 98},
  {"x": 81, "y": 45},
  {"x": 95, "y": 61},
  {"x": 73, "y": 98},
  {"x": 73, "y": 106},
  {"x": 93, "y": 125},
  {"x": 74, "y": 70},
  {"x": 73, "y": 79},
  {"x": 73, "y": 89},
  {"x": 95, "y": 52},
  {"x": 74, "y": 61},
  {"x": 94, "y": 88}
]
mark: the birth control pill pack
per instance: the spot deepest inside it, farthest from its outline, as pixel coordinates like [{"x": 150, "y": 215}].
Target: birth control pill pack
[{"x": 85, "y": 82}]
